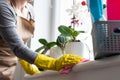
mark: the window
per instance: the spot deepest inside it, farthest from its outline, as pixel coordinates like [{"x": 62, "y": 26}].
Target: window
[{"x": 52, "y": 13}]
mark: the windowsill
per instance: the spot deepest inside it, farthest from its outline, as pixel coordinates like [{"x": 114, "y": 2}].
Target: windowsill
[{"x": 87, "y": 66}]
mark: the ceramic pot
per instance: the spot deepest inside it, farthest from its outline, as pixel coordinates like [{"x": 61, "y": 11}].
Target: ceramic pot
[{"x": 76, "y": 48}]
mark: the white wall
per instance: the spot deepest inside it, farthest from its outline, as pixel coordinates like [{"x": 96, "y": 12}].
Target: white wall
[
  {"x": 42, "y": 27},
  {"x": 47, "y": 21}
]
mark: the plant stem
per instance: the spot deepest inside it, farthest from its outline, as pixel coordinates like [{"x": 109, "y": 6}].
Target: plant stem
[
  {"x": 63, "y": 48},
  {"x": 63, "y": 51},
  {"x": 74, "y": 17},
  {"x": 44, "y": 51}
]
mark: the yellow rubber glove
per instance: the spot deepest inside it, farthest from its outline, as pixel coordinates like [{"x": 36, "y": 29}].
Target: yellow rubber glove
[
  {"x": 67, "y": 60},
  {"x": 28, "y": 68},
  {"x": 45, "y": 62}
]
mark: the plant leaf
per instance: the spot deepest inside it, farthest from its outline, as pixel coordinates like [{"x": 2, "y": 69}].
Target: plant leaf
[
  {"x": 43, "y": 41},
  {"x": 76, "y": 33},
  {"x": 40, "y": 48},
  {"x": 81, "y": 31},
  {"x": 63, "y": 39},
  {"x": 64, "y": 30},
  {"x": 51, "y": 44}
]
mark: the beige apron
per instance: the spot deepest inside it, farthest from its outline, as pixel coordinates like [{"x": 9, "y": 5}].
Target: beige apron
[{"x": 7, "y": 58}]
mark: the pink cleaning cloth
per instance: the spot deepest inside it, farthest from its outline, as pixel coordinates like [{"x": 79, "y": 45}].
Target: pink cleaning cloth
[{"x": 67, "y": 69}]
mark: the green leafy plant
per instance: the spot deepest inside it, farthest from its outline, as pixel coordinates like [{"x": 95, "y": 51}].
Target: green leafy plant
[
  {"x": 69, "y": 31},
  {"x": 67, "y": 34},
  {"x": 45, "y": 46}
]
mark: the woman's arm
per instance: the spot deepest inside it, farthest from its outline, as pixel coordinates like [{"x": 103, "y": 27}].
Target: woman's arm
[{"x": 8, "y": 31}]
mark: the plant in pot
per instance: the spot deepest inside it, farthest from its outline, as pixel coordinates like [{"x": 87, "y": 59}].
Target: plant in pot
[
  {"x": 67, "y": 40},
  {"x": 67, "y": 35}
]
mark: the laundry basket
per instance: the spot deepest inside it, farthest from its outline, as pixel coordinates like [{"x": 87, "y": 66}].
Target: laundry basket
[{"x": 106, "y": 38}]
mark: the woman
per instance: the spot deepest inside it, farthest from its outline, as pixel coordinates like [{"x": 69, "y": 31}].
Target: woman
[
  {"x": 16, "y": 28},
  {"x": 20, "y": 9}
]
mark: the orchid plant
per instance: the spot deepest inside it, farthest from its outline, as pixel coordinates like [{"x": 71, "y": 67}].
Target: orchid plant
[{"x": 67, "y": 33}]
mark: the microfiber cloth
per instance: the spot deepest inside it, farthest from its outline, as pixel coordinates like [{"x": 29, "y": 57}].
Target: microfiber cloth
[{"x": 68, "y": 69}]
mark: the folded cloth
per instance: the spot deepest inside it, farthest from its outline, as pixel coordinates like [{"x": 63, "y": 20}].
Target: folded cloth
[{"x": 68, "y": 69}]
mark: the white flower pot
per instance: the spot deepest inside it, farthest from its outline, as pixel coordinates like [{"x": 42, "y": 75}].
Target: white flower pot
[
  {"x": 55, "y": 52},
  {"x": 76, "y": 48}
]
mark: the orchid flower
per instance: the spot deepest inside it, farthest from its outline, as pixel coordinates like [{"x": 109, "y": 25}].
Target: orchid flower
[{"x": 79, "y": 11}]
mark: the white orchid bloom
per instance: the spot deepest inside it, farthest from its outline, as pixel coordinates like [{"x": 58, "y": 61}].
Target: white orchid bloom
[{"x": 77, "y": 10}]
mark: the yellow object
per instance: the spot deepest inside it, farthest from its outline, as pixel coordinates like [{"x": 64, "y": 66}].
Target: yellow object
[
  {"x": 45, "y": 62},
  {"x": 29, "y": 68},
  {"x": 67, "y": 60}
]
